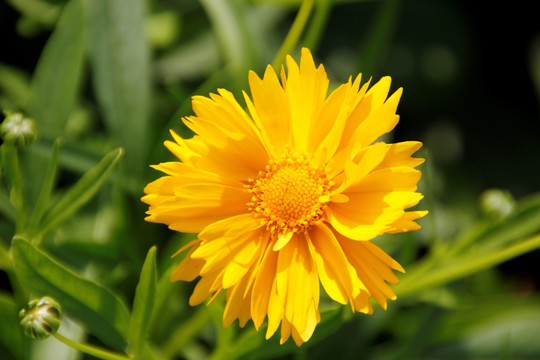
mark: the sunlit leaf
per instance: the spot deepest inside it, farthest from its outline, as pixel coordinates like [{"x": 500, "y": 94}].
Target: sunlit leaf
[{"x": 105, "y": 315}]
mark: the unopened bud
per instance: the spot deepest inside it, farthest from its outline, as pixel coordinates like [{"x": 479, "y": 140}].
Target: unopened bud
[
  {"x": 497, "y": 203},
  {"x": 18, "y": 130},
  {"x": 42, "y": 318}
]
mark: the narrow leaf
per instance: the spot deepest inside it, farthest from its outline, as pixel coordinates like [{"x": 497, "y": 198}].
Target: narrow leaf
[
  {"x": 46, "y": 189},
  {"x": 143, "y": 304},
  {"x": 105, "y": 315},
  {"x": 11, "y": 334},
  {"x": 81, "y": 192},
  {"x": 228, "y": 19},
  {"x": 378, "y": 37},
  {"x": 57, "y": 76},
  {"x": 463, "y": 266},
  {"x": 43, "y": 12},
  {"x": 12, "y": 171},
  {"x": 119, "y": 55},
  {"x": 14, "y": 85}
]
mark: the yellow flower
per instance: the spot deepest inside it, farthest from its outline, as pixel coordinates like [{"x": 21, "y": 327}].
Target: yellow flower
[{"x": 288, "y": 195}]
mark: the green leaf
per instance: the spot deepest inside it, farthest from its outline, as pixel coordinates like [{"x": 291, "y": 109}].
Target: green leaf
[
  {"x": 143, "y": 304},
  {"x": 192, "y": 60},
  {"x": 461, "y": 266},
  {"x": 44, "y": 12},
  {"x": 46, "y": 189},
  {"x": 80, "y": 193},
  {"x": 497, "y": 327},
  {"x": 14, "y": 84},
  {"x": 11, "y": 334},
  {"x": 5, "y": 258},
  {"x": 12, "y": 173},
  {"x": 6, "y": 208},
  {"x": 378, "y": 37},
  {"x": 57, "y": 76},
  {"x": 120, "y": 60},
  {"x": 99, "y": 309},
  {"x": 232, "y": 33},
  {"x": 523, "y": 221}
]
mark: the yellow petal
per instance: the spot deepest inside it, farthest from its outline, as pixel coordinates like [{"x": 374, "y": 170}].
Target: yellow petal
[
  {"x": 399, "y": 155},
  {"x": 406, "y": 222},
  {"x": 371, "y": 267},
  {"x": 237, "y": 306},
  {"x": 264, "y": 276},
  {"x": 381, "y": 121},
  {"x": 270, "y": 108},
  {"x": 355, "y": 172},
  {"x": 306, "y": 91},
  {"x": 283, "y": 239},
  {"x": 297, "y": 283},
  {"x": 188, "y": 269},
  {"x": 275, "y": 310},
  {"x": 335, "y": 272},
  {"x": 194, "y": 206}
]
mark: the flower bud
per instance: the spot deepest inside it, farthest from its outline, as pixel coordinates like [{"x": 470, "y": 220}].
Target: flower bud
[
  {"x": 42, "y": 318},
  {"x": 497, "y": 203},
  {"x": 18, "y": 130}
]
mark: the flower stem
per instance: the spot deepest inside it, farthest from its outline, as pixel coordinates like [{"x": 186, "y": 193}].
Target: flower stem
[
  {"x": 294, "y": 33},
  {"x": 91, "y": 350},
  {"x": 10, "y": 159}
]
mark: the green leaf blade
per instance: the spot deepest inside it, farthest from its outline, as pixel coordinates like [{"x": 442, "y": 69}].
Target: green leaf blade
[
  {"x": 81, "y": 192},
  {"x": 46, "y": 189},
  {"x": 11, "y": 334},
  {"x": 56, "y": 80},
  {"x": 143, "y": 304},
  {"x": 464, "y": 266},
  {"x": 103, "y": 312},
  {"x": 120, "y": 59}
]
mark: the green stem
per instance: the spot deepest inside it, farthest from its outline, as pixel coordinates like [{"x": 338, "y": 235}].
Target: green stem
[
  {"x": 294, "y": 33},
  {"x": 91, "y": 350},
  {"x": 317, "y": 25},
  {"x": 10, "y": 158},
  {"x": 467, "y": 266}
]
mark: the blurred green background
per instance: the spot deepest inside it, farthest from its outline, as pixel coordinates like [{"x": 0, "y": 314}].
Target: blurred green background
[{"x": 121, "y": 73}]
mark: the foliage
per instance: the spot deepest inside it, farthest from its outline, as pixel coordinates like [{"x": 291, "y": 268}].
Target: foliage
[{"x": 111, "y": 77}]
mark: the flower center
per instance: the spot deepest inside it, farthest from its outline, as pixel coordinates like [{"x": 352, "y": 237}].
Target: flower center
[{"x": 290, "y": 194}]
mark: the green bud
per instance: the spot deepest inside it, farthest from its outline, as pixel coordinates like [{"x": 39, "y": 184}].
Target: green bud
[
  {"x": 497, "y": 203},
  {"x": 41, "y": 318},
  {"x": 18, "y": 130}
]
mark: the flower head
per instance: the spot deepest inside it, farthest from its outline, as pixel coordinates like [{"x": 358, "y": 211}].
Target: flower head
[{"x": 287, "y": 196}]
